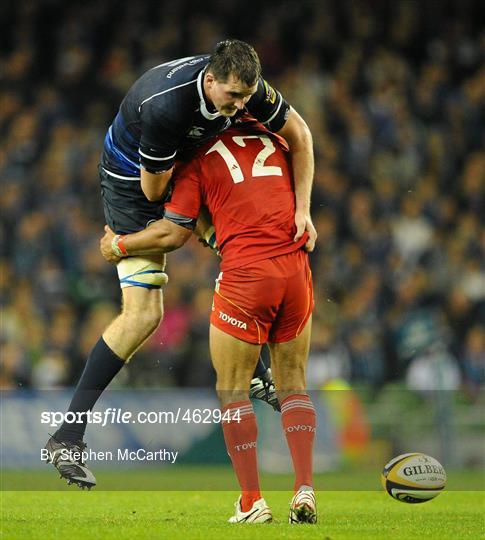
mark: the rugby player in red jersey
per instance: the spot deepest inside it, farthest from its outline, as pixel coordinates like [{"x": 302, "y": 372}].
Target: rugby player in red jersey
[{"x": 263, "y": 294}]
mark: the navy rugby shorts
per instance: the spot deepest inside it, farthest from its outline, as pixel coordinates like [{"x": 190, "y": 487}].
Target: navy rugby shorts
[{"x": 126, "y": 209}]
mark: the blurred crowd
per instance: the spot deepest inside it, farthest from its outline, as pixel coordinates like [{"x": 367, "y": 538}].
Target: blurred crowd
[{"x": 394, "y": 93}]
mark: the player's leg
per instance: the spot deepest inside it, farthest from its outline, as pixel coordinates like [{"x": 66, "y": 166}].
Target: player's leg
[
  {"x": 289, "y": 345},
  {"x": 142, "y": 311},
  {"x": 126, "y": 209},
  {"x": 262, "y": 386},
  {"x": 297, "y": 412},
  {"x": 289, "y": 361},
  {"x": 234, "y": 361},
  {"x": 140, "y": 315},
  {"x": 298, "y": 419}
]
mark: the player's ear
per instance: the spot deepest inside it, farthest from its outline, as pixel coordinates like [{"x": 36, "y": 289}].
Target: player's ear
[{"x": 209, "y": 78}]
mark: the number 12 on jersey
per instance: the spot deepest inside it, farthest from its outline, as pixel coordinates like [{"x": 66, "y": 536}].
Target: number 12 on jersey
[{"x": 259, "y": 168}]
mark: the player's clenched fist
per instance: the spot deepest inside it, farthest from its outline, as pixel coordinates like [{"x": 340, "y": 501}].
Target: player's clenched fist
[{"x": 105, "y": 245}]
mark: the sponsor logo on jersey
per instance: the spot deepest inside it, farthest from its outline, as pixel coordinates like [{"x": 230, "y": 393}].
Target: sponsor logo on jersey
[
  {"x": 190, "y": 63},
  {"x": 196, "y": 132},
  {"x": 270, "y": 93},
  {"x": 232, "y": 321}
]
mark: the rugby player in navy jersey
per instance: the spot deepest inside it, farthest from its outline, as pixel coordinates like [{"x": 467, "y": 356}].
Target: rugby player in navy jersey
[{"x": 173, "y": 107}]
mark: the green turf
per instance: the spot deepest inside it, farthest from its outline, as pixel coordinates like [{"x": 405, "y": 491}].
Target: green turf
[
  {"x": 186, "y": 515},
  {"x": 211, "y": 478}
]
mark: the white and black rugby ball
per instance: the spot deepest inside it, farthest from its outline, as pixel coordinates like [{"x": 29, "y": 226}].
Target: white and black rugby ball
[{"x": 413, "y": 478}]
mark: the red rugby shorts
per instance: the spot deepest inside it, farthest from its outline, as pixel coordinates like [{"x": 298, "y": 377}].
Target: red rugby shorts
[{"x": 269, "y": 300}]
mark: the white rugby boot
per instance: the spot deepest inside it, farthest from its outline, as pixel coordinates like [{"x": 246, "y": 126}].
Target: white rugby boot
[
  {"x": 303, "y": 506},
  {"x": 259, "y": 513}
]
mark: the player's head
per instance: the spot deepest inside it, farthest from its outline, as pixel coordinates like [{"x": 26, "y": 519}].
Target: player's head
[{"x": 231, "y": 77}]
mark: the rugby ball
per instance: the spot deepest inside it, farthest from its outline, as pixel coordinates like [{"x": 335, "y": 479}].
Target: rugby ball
[{"x": 413, "y": 478}]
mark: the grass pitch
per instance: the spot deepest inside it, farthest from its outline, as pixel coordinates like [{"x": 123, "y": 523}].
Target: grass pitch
[{"x": 183, "y": 515}]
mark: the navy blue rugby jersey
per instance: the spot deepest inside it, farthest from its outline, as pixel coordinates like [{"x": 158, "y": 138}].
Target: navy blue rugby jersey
[{"x": 165, "y": 112}]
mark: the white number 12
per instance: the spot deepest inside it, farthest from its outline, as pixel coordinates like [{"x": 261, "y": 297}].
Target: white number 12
[{"x": 259, "y": 168}]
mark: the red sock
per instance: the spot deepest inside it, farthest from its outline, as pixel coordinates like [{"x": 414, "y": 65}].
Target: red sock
[
  {"x": 299, "y": 425},
  {"x": 240, "y": 434}
]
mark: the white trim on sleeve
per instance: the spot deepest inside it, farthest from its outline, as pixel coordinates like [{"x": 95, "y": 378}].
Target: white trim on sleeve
[
  {"x": 132, "y": 178},
  {"x": 157, "y": 158}
]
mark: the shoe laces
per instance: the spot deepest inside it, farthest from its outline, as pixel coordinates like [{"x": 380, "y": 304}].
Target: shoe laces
[{"x": 75, "y": 446}]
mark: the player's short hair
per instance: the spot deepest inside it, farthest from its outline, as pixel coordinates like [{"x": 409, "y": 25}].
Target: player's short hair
[{"x": 237, "y": 58}]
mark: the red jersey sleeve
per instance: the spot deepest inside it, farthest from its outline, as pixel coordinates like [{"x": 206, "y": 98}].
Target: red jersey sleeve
[{"x": 186, "y": 196}]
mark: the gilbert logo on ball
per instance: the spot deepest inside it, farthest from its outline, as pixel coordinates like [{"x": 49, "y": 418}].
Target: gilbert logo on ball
[{"x": 413, "y": 478}]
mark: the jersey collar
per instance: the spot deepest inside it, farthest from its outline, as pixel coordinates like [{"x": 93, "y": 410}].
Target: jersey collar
[{"x": 203, "y": 105}]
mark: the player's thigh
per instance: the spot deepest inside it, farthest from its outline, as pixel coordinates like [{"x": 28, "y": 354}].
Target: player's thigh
[
  {"x": 289, "y": 360},
  {"x": 246, "y": 301},
  {"x": 233, "y": 359},
  {"x": 297, "y": 304}
]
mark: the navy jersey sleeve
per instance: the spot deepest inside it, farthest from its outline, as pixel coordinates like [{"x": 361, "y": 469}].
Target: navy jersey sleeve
[
  {"x": 160, "y": 138},
  {"x": 184, "y": 205},
  {"x": 268, "y": 106}
]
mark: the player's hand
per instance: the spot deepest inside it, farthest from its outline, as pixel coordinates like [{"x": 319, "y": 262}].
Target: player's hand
[
  {"x": 303, "y": 222},
  {"x": 105, "y": 245}
]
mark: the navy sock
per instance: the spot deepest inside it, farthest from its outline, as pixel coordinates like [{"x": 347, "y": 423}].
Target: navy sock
[
  {"x": 260, "y": 368},
  {"x": 101, "y": 367}
]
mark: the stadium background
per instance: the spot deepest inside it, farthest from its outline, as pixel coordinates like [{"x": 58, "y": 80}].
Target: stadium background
[{"x": 394, "y": 95}]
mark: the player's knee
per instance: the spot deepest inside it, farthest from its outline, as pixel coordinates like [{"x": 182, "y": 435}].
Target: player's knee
[
  {"x": 150, "y": 319},
  {"x": 143, "y": 321},
  {"x": 151, "y": 322},
  {"x": 227, "y": 396}
]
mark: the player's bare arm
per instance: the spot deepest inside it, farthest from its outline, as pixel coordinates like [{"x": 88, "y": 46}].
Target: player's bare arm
[
  {"x": 205, "y": 230},
  {"x": 204, "y": 222},
  {"x": 155, "y": 185},
  {"x": 299, "y": 138},
  {"x": 160, "y": 237}
]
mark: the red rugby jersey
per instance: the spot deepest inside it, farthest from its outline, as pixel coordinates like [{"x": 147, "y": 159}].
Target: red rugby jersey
[{"x": 244, "y": 178}]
